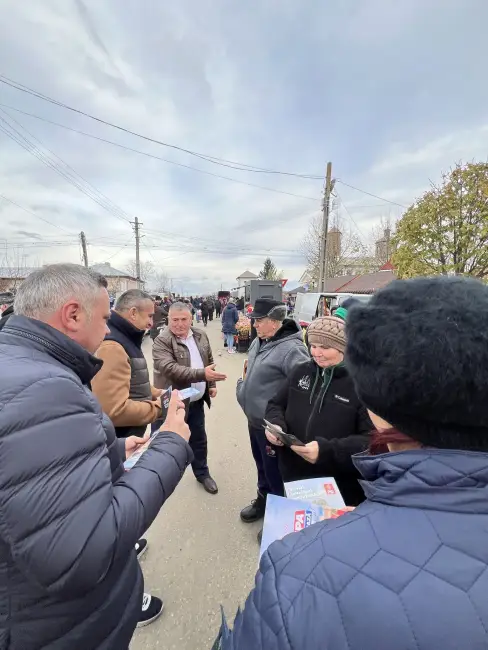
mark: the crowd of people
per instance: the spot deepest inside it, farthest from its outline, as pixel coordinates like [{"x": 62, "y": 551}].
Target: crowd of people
[{"x": 387, "y": 397}]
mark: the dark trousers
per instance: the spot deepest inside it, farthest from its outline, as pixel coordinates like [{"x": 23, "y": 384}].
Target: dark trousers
[
  {"x": 205, "y": 319},
  {"x": 210, "y": 316},
  {"x": 269, "y": 477},
  {"x": 198, "y": 437}
]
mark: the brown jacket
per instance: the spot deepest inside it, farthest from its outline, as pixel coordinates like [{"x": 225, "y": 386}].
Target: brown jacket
[
  {"x": 111, "y": 385},
  {"x": 172, "y": 365}
]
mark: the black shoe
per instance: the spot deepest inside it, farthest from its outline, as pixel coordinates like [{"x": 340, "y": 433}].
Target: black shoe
[
  {"x": 260, "y": 536},
  {"x": 141, "y": 548},
  {"x": 152, "y": 608},
  {"x": 255, "y": 511},
  {"x": 209, "y": 484}
]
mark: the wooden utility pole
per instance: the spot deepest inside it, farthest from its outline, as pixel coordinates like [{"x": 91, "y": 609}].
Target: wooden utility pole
[
  {"x": 329, "y": 185},
  {"x": 84, "y": 248},
  {"x": 137, "y": 225}
]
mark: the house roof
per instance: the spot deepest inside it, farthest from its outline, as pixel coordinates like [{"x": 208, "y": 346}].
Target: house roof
[
  {"x": 247, "y": 275},
  {"x": 16, "y": 273},
  {"x": 334, "y": 284},
  {"x": 110, "y": 271},
  {"x": 368, "y": 283}
]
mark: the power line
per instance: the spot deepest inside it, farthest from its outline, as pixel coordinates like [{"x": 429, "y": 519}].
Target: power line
[
  {"x": 155, "y": 157},
  {"x": 34, "y": 214},
  {"x": 375, "y": 196},
  {"x": 212, "y": 159},
  {"x": 68, "y": 173}
]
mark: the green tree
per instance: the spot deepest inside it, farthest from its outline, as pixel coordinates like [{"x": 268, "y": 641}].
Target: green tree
[
  {"x": 269, "y": 271},
  {"x": 446, "y": 230}
]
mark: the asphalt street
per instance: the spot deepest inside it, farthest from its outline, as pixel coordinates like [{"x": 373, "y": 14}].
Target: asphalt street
[{"x": 200, "y": 554}]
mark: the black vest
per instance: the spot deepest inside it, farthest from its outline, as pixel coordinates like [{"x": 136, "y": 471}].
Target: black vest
[{"x": 130, "y": 338}]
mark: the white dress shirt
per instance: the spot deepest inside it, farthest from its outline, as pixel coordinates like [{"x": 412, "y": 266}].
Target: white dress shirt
[{"x": 196, "y": 362}]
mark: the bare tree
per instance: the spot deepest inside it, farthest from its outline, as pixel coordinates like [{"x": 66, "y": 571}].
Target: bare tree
[
  {"x": 343, "y": 246},
  {"x": 13, "y": 268},
  {"x": 161, "y": 282},
  {"x": 147, "y": 270}
]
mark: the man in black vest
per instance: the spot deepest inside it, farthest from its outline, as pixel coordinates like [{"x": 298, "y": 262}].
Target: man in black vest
[{"x": 122, "y": 386}]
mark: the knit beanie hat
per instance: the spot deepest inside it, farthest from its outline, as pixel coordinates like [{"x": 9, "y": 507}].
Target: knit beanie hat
[
  {"x": 328, "y": 331},
  {"x": 418, "y": 356}
]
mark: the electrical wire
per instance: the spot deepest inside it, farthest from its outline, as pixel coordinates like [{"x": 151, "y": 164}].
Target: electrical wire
[
  {"x": 212, "y": 159},
  {"x": 155, "y": 157},
  {"x": 34, "y": 214},
  {"x": 375, "y": 196},
  {"x": 68, "y": 173}
]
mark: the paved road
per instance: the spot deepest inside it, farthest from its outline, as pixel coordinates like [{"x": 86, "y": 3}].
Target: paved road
[{"x": 201, "y": 555}]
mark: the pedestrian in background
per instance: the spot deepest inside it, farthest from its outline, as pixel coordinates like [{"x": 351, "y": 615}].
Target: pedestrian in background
[
  {"x": 211, "y": 308},
  {"x": 273, "y": 355},
  {"x": 409, "y": 567},
  {"x": 182, "y": 359},
  {"x": 204, "y": 311},
  {"x": 230, "y": 316},
  {"x": 218, "y": 308},
  {"x": 319, "y": 405},
  {"x": 71, "y": 515}
]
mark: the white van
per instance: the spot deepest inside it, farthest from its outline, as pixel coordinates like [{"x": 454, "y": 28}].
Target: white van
[{"x": 311, "y": 305}]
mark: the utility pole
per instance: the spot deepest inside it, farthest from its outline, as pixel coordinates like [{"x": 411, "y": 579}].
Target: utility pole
[
  {"x": 329, "y": 186},
  {"x": 84, "y": 249},
  {"x": 137, "y": 225}
]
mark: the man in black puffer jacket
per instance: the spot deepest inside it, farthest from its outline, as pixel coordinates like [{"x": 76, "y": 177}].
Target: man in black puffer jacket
[{"x": 69, "y": 515}]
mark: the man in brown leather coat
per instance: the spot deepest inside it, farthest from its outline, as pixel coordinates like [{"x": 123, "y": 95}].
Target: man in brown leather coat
[{"x": 182, "y": 359}]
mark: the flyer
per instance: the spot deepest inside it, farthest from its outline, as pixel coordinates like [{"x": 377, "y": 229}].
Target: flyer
[
  {"x": 308, "y": 502},
  {"x": 321, "y": 491},
  {"x": 132, "y": 460},
  {"x": 284, "y": 516}
]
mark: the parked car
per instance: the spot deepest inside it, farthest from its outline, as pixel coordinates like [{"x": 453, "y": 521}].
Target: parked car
[{"x": 311, "y": 305}]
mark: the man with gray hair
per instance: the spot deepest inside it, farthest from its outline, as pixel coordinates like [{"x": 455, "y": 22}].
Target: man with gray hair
[
  {"x": 272, "y": 355},
  {"x": 183, "y": 359},
  {"x": 71, "y": 516},
  {"x": 122, "y": 386}
]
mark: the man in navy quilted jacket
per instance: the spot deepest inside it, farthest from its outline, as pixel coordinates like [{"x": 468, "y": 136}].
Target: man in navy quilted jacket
[
  {"x": 69, "y": 514},
  {"x": 408, "y": 569}
]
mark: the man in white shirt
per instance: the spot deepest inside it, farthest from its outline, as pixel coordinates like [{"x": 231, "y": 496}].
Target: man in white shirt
[{"x": 182, "y": 358}]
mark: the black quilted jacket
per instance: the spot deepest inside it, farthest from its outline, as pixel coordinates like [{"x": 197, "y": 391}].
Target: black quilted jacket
[{"x": 69, "y": 515}]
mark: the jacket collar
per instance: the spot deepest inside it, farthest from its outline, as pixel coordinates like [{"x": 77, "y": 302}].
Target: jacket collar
[
  {"x": 36, "y": 335},
  {"x": 127, "y": 329},
  {"x": 430, "y": 479}
]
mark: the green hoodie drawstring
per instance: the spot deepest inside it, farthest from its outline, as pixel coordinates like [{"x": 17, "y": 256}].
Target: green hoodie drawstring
[
  {"x": 316, "y": 381},
  {"x": 327, "y": 379}
]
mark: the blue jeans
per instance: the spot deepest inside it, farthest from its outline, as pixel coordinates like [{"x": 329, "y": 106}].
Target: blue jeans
[{"x": 230, "y": 341}]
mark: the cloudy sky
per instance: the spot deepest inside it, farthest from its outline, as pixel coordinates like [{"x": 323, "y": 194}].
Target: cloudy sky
[{"x": 391, "y": 92}]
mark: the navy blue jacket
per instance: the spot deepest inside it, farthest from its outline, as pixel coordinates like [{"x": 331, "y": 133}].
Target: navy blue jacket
[
  {"x": 230, "y": 316},
  {"x": 69, "y": 514},
  {"x": 407, "y": 570}
]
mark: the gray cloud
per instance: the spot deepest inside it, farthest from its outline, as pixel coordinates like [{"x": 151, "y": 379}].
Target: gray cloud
[{"x": 279, "y": 84}]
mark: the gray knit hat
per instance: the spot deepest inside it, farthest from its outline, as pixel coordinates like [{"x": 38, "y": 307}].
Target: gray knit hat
[{"x": 329, "y": 332}]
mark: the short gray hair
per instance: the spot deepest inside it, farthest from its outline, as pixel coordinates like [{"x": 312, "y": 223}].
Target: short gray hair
[
  {"x": 46, "y": 290},
  {"x": 180, "y": 306},
  {"x": 131, "y": 298}
]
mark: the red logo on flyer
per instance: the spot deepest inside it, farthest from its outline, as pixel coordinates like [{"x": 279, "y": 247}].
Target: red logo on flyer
[
  {"x": 299, "y": 523},
  {"x": 329, "y": 488}
]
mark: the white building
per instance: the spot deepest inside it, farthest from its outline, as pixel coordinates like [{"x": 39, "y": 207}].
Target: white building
[{"x": 243, "y": 280}]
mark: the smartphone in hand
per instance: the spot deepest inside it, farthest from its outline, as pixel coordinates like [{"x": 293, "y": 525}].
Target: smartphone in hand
[{"x": 287, "y": 439}]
